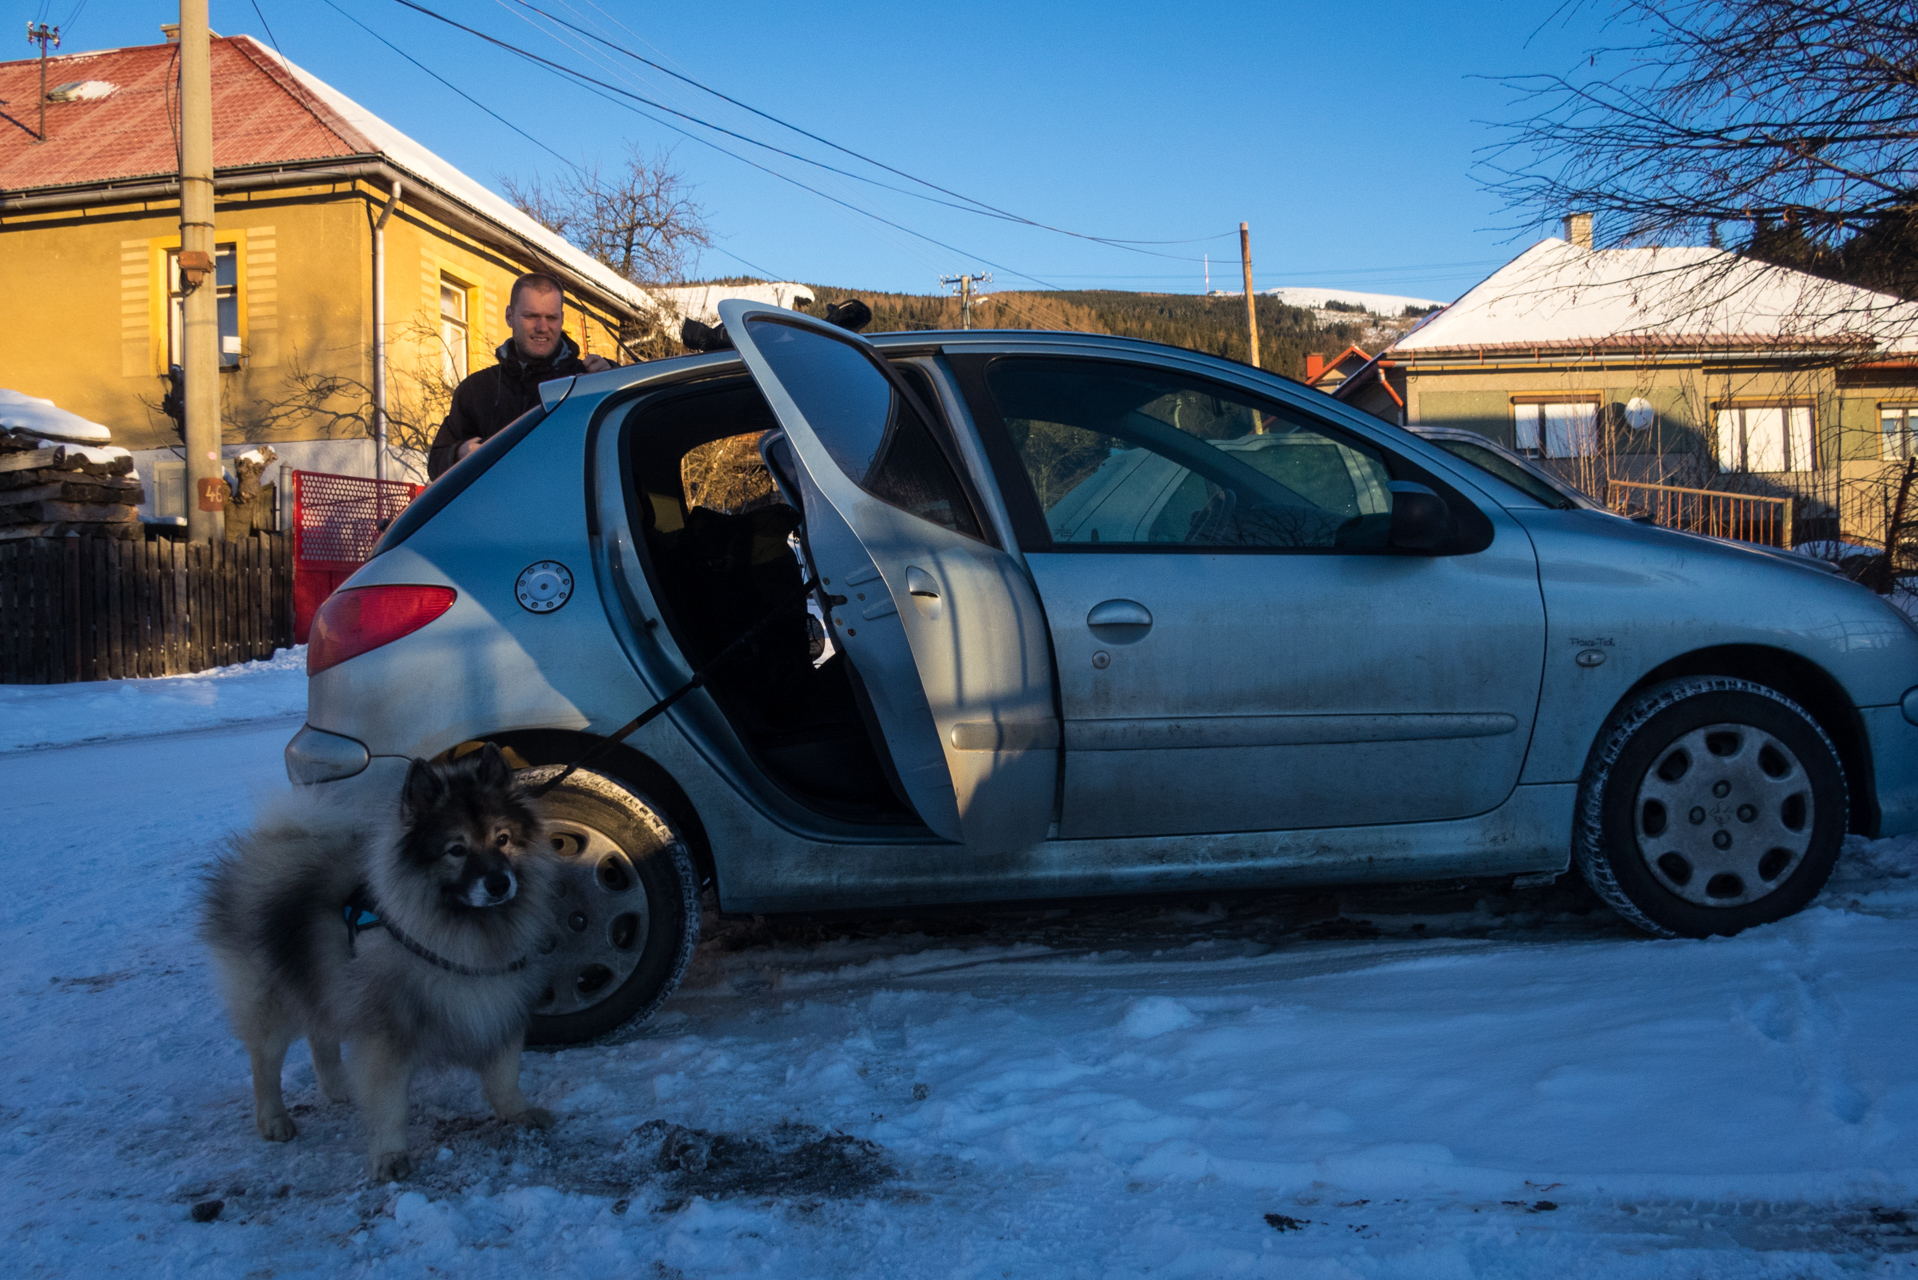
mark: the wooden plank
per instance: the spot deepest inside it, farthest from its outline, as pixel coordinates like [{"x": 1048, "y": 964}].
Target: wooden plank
[
  {"x": 131, "y": 562},
  {"x": 156, "y": 609},
  {"x": 170, "y": 585},
  {"x": 250, "y": 598},
  {"x": 189, "y": 607},
  {"x": 225, "y": 578},
  {"x": 263, "y": 599},
  {"x": 88, "y": 585},
  {"x": 42, "y": 588},
  {"x": 113, "y": 651},
  {"x": 59, "y": 459},
  {"x": 182, "y": 607},
  {"x": 9, "y": 614}
]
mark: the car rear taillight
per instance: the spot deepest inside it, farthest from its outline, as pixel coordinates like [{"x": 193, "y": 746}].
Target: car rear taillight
[{"x": 362, "y": 618}]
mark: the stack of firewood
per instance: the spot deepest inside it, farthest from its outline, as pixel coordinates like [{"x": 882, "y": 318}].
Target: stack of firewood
[{"x": 49, "y": 489}]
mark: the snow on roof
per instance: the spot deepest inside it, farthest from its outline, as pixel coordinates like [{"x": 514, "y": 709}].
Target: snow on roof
[
  {"x": 1556, "y": 294},
  {"x": 31, "y": 415},
  {"x": 701, "y": 301},
  {"x": 80, "y": 91},
  {"x": 1380, "y": 304}
]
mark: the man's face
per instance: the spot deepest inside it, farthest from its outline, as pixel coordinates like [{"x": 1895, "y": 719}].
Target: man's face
[{"x": 535, "y": 321}]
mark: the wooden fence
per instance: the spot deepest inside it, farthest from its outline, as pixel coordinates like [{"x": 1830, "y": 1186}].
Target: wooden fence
[
  {"x": 1743, "y": 516},
  {"x": 102, "y": 609}
]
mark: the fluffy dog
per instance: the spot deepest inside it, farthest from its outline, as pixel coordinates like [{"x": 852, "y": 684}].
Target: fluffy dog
[{"x": 416, "y": 942}]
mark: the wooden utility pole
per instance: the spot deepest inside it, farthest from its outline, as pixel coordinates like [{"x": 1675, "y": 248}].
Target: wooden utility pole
[
  {"x": 199, "y": 288},
  {"x": 42, "y": 34},
  {"x": 966, "y": 283},
  {"x": 1251, "y": 307}
]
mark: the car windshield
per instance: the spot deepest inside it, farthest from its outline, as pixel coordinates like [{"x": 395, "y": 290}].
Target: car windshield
[{"x": 1526, "y": 482}]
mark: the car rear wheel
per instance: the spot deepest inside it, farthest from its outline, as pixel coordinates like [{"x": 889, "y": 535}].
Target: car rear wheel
[
  {"x": 1710, "y": 805},
  {"x": 628, "y": 909}
]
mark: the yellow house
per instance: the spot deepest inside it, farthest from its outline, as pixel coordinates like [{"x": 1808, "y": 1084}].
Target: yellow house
[
  {"x": 340, "y": 241},
  {"x": 1689, "y": 367}
]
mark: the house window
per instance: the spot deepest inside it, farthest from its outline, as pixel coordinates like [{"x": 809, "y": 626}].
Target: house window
[
  {"x": 453, "y": 332},
  {"x": 1896, "y": 422},
  {"x": 1765, "y": 438},
  {"x": 1556, "y": 429},
  {"x": 226, "y": 282}
]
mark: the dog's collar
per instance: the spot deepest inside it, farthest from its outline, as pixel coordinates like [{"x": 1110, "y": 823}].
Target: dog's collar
[{"x": 362, "y": 913}]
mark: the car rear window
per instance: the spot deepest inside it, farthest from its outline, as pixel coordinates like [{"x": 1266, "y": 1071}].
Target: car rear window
[{"x": 457, "y": 477}]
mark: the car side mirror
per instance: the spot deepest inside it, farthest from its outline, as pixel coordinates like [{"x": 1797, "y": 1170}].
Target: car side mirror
[{"x": 1421, "y": 520}]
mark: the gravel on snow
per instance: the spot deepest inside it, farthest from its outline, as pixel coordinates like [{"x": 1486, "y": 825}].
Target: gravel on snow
[{"x": 1454, "y": 1082}]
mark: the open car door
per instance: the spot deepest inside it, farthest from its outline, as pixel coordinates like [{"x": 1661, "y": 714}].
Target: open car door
[{"x": 942, "y": 628}]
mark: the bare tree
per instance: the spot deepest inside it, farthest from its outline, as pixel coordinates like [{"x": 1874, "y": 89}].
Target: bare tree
[
  {"x": 418, "y": 398},
  {"x": 640, "y": 221},
  {"x": 1793, "y": 120}
]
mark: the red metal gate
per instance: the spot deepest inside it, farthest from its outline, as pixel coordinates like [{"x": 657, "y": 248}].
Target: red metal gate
[{"x": 337, "y": 521}]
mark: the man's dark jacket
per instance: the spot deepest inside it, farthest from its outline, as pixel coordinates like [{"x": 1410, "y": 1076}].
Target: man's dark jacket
[{"x": 491, "y": 398}]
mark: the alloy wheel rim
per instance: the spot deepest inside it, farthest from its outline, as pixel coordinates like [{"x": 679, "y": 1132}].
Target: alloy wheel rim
[
  {"x": 1724, "y": 815},
  {"x": 602, "y": 921}
]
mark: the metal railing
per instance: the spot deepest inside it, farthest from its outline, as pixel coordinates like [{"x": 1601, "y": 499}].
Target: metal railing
[{"x": 1744, "y": 516}]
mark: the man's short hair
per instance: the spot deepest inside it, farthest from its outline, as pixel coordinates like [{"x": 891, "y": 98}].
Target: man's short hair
[{"x": 535, "y": 280}]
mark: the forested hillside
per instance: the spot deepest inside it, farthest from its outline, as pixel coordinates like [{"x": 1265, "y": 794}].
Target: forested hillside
[{"x": 1212, "y": 325}]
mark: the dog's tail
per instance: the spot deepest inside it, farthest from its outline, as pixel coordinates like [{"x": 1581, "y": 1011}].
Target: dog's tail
[{"x": 277, "y": 884}]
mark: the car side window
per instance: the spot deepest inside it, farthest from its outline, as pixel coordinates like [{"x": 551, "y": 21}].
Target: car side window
[
  {"x": 874, "y": 432},
  {"x": 1123, "y": 455}
]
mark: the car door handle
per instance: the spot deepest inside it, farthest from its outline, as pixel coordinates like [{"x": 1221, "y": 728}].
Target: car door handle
[
  {"x": 1119, "y": 621},
  {"x": 920, "y": 583}
]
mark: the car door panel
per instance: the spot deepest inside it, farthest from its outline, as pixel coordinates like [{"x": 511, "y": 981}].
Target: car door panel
[
  {"x": 945, "y": 630},
  {"x": 1239, "y": 647},
  {"x": 1286, "y": 691}
]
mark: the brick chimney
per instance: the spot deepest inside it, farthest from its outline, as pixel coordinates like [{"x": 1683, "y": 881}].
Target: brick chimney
[
  {"x": 1314, "y": 366},
  {"x": 1578, "y": 229}
]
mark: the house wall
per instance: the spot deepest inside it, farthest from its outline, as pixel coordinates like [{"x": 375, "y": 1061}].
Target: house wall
[
  {"x": 93, "y": 335},
  {"x": 1850, "y": 482}
]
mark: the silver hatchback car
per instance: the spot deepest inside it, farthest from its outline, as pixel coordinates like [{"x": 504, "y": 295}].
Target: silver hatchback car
[{"x": 965, "y": 617}]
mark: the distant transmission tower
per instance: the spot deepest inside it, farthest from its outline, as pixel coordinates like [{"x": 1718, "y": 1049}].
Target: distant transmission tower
[{"x": 966, "y": 284}]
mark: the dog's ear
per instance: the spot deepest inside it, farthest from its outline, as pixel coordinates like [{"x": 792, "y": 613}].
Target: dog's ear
[
  {"x": 423, "y": 789},
  {"x": 493, "y": 769}
]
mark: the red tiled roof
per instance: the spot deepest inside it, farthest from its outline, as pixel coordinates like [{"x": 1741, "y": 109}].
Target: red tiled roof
[{"x": 260, "y": 116}]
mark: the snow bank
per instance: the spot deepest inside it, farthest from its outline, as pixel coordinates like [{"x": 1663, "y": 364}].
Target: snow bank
[
  {"x": 62, "y": 714},
  {"x": 31, "y": 415}
]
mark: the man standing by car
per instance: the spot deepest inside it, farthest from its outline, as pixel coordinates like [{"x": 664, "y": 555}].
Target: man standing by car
[{"x": 538, "y": 351}]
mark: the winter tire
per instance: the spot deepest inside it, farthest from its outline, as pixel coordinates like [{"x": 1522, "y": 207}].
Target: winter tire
[
  {"x": 629, "y": 910},
  {"x": 1710, "y": 805}
]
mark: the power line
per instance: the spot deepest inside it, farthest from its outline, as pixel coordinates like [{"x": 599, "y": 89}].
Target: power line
[
  {"x": 572, "y": 164},
  {"x": 602, "y": 89},
  {"x": 584, "y": 79},
  {"x": 982, "y": 206}
]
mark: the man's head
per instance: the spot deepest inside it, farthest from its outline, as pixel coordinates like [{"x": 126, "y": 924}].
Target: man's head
[{"x": 535, "y": 313}]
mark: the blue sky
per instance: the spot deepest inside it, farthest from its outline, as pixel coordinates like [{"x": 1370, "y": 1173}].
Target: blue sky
[{"x": 1345, "y": 135}]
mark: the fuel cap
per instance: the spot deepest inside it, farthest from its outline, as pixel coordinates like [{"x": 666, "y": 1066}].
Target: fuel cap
[{"x": 544, "y": 586}]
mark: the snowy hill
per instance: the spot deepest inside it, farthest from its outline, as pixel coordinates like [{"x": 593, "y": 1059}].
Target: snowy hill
[{"x": 1379, "y": 304}]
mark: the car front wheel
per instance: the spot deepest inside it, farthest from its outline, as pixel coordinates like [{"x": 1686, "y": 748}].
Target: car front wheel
[
  {"x": 628, "y": 908},
  {"x": 1710, "y": 805}
]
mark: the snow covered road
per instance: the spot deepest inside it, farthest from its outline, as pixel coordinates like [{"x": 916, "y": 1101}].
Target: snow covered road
[{"x": 1448, "y": 1085}]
